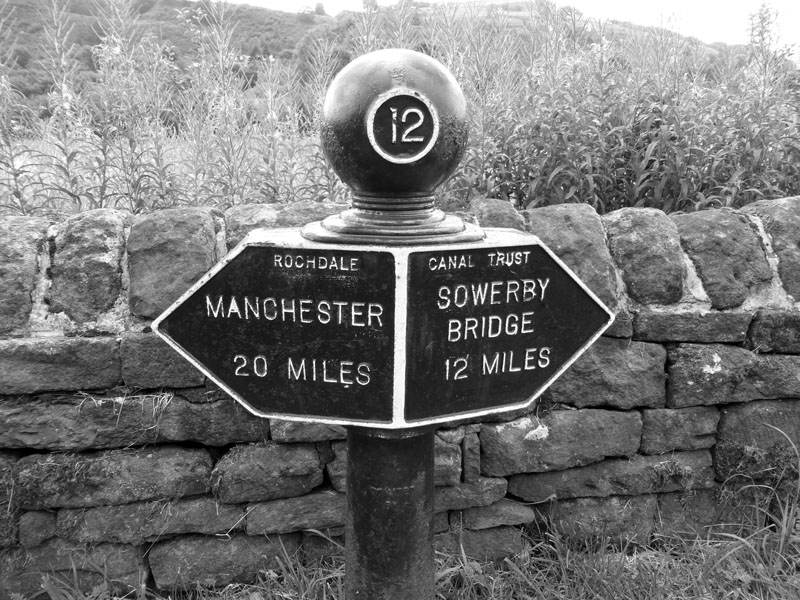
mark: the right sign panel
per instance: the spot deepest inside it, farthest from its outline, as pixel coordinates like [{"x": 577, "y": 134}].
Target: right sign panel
[{"x": 491, "y": 328}]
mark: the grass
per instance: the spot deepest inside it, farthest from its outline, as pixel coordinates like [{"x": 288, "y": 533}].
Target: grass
[
  {"x": 760, "y": 566},
  {"x": 561, "y": 109}
]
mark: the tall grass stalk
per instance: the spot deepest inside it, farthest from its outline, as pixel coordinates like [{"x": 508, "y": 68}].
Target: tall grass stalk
[{"x": 561, "y": 108}]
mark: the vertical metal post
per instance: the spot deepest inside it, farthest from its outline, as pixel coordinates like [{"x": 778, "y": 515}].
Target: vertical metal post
[{"x": 389, "y": 529}]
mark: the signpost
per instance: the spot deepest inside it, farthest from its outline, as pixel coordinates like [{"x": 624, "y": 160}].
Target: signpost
[{"x": 390, "y": 317}]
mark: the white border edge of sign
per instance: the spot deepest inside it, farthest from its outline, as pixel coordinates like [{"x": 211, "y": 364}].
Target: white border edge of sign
[
  {"x": 400, "y": 332},
  {"x": 286, "y": 236},
  {"x": 533, "y": 239}
]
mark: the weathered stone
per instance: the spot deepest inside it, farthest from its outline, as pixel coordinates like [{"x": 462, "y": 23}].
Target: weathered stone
[
  {"x": 620, "y": 518},
  {"x": 168, "y": 250},
  {"x": 667, "y": 429},
  {"x": 86, "y": 271},
  {"x": 691, "y": 513},
  {"x": 482, "y": 492},
  {"x": 287, "y": 432},
  {"x": 441, "y": 522},
  {"x": 32, "y": 365},
  {"x": 36, "y": 526},
  {"x": 775, "y": 331},
  {"x": 702, "y": 327},
  {"x": 8, "y": 505},
  {"x": 244, "y": 218},
  {"x": 139, "y": 522},
  {"x": 781, "y": 220},
  {"x": 755, "y": 439},
  {"x": 503, "y": 512},
  {"x": 574, "y": 232},
  {"x": 186, "y": 562},
  {"x": 337, "y": 468},
  {"x": 117, "y": 565},
  {"x": 495, "y": 543},
  {"x": 21, "y": 240},
  {"x": 446, "y": 464},
  {"x": 266, "y": 472},
  {"x": 471, "y": 461},
  {"x": 559, "y": 440},
  {"x": 301, "y": 212},
  {"x": 59, "y": 422},
  {"x": 491, "y": 212},
  {"x": 647, "y": 250},
  {"x": 219, "y": 423},
  {"x": 718, "y": 374},
  {"x": 727, "y": 253},
  {"x": 619, "y": 477},
  {"x": 112, "y": 477},
  {"x": 317, "y": 510},
  {"x": 148, "y": 362},
  {"x": 616, "y": 373}
]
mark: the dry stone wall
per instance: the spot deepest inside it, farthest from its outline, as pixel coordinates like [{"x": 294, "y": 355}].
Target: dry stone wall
[{"x": 118, "y": 460}]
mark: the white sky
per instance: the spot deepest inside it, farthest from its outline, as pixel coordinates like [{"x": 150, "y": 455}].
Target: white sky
[{"x": 708, "y": 20}]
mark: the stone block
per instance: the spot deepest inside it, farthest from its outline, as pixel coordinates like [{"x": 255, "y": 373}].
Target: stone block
[
  {"x": 727, "y": 253},
  {"x": 21, "y": 241},
  {"x": 688, "y": 514},
  {"x": 189, "y": 561},
  {"x": 36, "y": 526},
  {"x": 168, "y": 250},
  {"x": 492, "y": 544},
  {"x": 244, "y": 218},
  {"x": 266, "y": 472},
  {"x": 755, "y": 440},
  {"x": 781, "y": 220},
  {"x": 318, "y": 510},
  {"x": 646, "y": 248},
  {"x": 491, "y": 212},
  {"x": 219, "y": 423},
  {"x": 446, "y": 464},
  {"x": 558, "y": 440},
  {"x": 502, "y": 512},
  {"x": 616, "y": 373},
  {"x": 471, "y": 461},
  {"x": 337, "y": 468},
  {"x": 668, "y": 429},
  {"x": 69, "y": 422},
  {"x": 119, "y": 566},
  {"x": 482, "y": 492},
  {"x": 110, "y": 477},
  {"x": 289, "y": 432},
  {"x": 32, "y": 365},
  {"x": 700, "y": 374},
  {"x": 618, "y": 477},
  {"x": 625, "y": 519},
  {"x": 86, "y": 269},
  {"x": 701, "y": 327},
  {"x": 775, "y": 331},
  {"x": 302, "y": 212},
  {"x": 149, "y": 362},
  {"x": 8, "y": 504},
  {"x": 141, "y": 522},
  {"x": 574, "y": 232}
]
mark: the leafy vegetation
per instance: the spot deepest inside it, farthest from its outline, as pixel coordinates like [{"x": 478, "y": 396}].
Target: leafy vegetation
[{"x": 561, "y": 108}]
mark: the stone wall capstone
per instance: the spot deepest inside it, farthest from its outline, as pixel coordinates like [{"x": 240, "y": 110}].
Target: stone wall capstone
[{"x": 119, "y": 462}]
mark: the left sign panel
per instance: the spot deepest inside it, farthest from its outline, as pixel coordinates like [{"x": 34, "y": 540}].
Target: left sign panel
[{"x": 294, "y": 331}]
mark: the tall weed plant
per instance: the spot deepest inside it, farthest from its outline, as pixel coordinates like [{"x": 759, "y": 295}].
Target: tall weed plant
[{"x": 561, "y": 109}]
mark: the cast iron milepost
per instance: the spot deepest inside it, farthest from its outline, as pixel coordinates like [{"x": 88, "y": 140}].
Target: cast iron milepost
[
  {"x": 394, "y": 128},
  {"x": 389, "y": 318}
]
